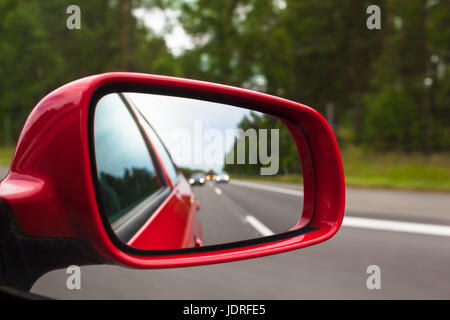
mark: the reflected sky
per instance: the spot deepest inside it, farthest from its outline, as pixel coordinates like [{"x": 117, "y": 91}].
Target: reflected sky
[
  {"x": 167, "y": 114},
  {"x": 118, "y": 142}
]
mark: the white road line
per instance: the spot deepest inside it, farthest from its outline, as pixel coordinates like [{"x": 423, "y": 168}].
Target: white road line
[
  {"x": 365, "y": 223},
  {"x": 399, "y": 226},
  {"x": 268, "y": 188},
  {"x": 218, "y": 191},
  {"x": 259, "y": 226}
]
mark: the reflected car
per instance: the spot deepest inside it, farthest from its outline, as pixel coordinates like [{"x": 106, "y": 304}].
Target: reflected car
[
  {"x": 222, "y": 177},
  {"x": 210, "y": 175},
  {"x": 197, "y": 179}
]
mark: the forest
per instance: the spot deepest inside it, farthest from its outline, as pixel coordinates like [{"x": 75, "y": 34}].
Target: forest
[{"x": 385, "y": 92}]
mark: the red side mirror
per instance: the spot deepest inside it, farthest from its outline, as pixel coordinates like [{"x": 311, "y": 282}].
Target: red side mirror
[{"x": 51, "y": 196}]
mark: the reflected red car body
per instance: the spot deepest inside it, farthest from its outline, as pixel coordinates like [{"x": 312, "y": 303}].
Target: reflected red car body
[
  {"x": 49, "y": 196},
  {"x": 174, "y": 224}
]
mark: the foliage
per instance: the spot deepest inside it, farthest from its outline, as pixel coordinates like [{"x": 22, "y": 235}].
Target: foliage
[
  {"x": 188, "y": 172},
  {"x": 321, "y": 53},
  {"x": 38, "y": 53},
  {"x": 6, "y": 156},
  {"x": 389, "y": 89},
  {"x": 289, "y": 161}
]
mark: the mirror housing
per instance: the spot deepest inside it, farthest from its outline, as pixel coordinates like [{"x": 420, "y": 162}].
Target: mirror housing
[{"x": 50, "y": 190}]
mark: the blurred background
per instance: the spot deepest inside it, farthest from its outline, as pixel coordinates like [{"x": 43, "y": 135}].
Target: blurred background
[{"x": 385, "y": 92}]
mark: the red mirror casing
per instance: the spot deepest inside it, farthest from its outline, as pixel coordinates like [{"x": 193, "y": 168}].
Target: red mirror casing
[{"x": 50, "y": 190}]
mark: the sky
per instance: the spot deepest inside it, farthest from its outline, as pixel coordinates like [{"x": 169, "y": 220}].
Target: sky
[
  {"x": 165, "y": 23},
  {"x": 118, "y": 142},
  {"x": 172, "y": 115}
]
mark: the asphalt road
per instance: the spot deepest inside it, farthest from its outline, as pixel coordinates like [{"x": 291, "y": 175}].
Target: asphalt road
[{"x": 412, "y": 252}]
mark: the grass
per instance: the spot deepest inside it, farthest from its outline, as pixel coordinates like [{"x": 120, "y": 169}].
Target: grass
[
  {"x": 291, "y": 178},
  {"x": 387, "y": 170},
  {"x": 6, "y": 155},
  {"x": 397, "y": 170}
]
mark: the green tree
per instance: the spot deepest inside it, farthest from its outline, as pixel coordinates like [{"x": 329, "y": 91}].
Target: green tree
[
  {"x": 38, "y": 53},
  {"x": 289, "y": 161},
  {"x": 404, "y": 109}
]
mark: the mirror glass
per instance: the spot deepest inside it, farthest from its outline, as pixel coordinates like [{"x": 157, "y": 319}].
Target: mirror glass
[{"x": 177, "y": 173}]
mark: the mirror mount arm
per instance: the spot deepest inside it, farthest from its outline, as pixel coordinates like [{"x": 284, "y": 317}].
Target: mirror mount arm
[{"x": 23, "y": 260}]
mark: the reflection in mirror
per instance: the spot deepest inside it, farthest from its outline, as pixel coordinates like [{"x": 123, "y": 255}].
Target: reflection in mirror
[{"x": 175, "y": 173}]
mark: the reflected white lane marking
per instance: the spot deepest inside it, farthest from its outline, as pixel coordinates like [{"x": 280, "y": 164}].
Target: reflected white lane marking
[
  {"x": 258, "y": 225},
  {"x": 218, "y": 191},
  {"x": 292, "y": 192},
  {"x": 399, "y": 226}
]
